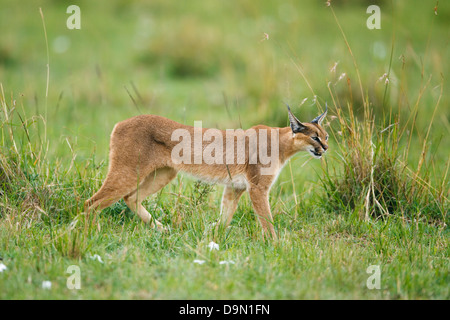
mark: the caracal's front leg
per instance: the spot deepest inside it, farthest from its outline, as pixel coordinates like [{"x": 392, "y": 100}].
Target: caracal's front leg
[
  {"x": 230, "y": 201},
  {"x": 260, "y": 200}
]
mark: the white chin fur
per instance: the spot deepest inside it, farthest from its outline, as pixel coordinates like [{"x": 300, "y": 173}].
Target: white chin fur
[{"x": 314, "y": 156}]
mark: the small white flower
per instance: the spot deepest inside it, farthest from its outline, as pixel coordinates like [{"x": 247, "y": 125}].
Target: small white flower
[
  {"x": 46, "y": 285},
  {"x": 97, "y": 257},
  {"x": 227, "y": 262},
  {"x": 199, "y": 261},
  {"x": 2, "y": 267},
  {"x": 213, "y": 246}
]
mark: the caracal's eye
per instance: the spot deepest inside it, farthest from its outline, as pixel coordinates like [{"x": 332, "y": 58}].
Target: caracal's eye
[
  {"x": 326, "y": 138},
  {"x": 316, "y": 139}
]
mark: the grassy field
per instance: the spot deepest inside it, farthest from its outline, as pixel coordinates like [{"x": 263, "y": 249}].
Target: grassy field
[{"x": 379, "y": 198}]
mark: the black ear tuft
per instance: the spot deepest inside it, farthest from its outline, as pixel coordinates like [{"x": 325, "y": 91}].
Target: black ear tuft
[
  {"x": 296, "y": 125},
  {"x": 320, "y": 118}
]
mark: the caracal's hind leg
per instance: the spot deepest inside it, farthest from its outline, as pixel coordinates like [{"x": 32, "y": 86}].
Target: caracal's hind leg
[
  {"x": 122, "y": 178},
  {"x": 152, "y": 183},
  {"x": 115, "y": 187}
]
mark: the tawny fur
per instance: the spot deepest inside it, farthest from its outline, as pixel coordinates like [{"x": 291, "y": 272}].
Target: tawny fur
[{"x": 140, "y": 164}]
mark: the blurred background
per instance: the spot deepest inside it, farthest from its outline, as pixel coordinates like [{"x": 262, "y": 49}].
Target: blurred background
[{"x": 230, "y": 64}]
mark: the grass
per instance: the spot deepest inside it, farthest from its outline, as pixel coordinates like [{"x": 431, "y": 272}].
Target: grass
[
  {"x": 374, "y": 178},
  {"x": 379, "y": 198}
]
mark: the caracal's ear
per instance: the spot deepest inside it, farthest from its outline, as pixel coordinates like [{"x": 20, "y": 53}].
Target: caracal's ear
[
  {"x": 320, "y": 118},
  {"x": 296, "y": 125}
]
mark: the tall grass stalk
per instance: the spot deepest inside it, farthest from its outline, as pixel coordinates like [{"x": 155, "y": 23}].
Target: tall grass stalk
[{"x": 48, "y": 75}]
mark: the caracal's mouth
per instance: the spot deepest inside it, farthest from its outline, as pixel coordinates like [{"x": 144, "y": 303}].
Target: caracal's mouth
[{"x": 315, "y": 154}]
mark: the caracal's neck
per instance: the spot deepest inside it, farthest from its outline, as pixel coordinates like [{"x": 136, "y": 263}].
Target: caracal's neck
[{"x": 287, "y": 148}]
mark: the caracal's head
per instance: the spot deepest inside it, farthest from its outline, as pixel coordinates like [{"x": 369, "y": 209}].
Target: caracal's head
[{"x": 310, "y": 136}]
